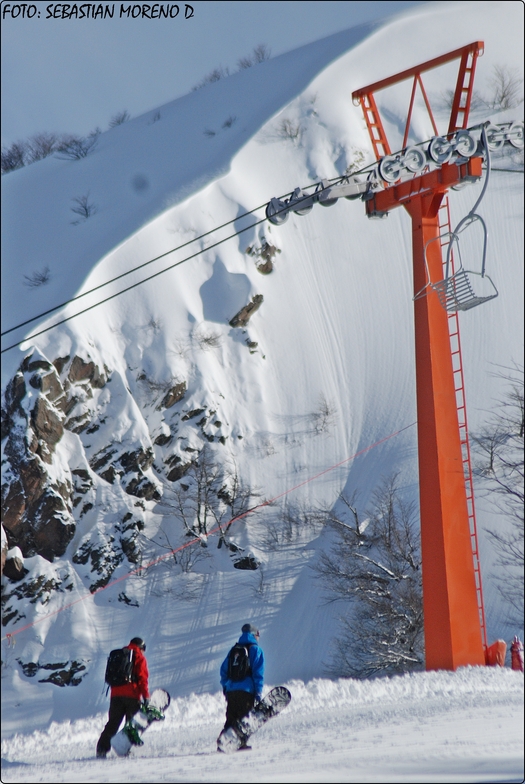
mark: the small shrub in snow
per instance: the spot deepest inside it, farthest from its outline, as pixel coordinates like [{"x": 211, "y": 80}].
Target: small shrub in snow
[
  {"x": 13, "y": 157},
  {"x": 119, "y": 118},
  {"x": 213, "y": 76},
  {"x": 259, "y": 55},
  {"x": 76, "y": 147},
  {"x": 84, "y": 208},
  {"x": 38, "y": 278},
  {"x": 288, "y": 129}
]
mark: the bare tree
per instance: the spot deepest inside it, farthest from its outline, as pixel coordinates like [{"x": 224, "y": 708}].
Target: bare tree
[
  {"x": 209, "y": 495},
  {"x": 84, "y": 207},
  {"x": 375, "y": 565},
  {"x": 214, "y": 76},
  {"x": 261, "y": 53},
  {"x": 42, "y": 145},
  {"x": 13, "y": 157},
  {"x": 506, "y": 88},
  {"x": 77, "y": 147},
  {"x": 289, "y": 523},
  {"x": 244, "y": 62},
  {"x": 289, "y": 130},
  {"x": 499, "y": 463},
  {"x": 37, "y": 278}
]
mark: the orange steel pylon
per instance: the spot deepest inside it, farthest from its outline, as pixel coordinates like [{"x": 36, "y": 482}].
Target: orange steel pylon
[{"x": 452, "y": 601}]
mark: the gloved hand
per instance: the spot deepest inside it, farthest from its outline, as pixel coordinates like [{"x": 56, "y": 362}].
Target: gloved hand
[{"x": 145, "y": 703}]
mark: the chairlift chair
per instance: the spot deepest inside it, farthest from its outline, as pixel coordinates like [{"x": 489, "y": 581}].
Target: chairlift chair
[{"x": 457, "y": 290}]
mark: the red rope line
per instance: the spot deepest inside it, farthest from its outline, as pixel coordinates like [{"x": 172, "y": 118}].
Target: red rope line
[{"x": 160, "y": 558}]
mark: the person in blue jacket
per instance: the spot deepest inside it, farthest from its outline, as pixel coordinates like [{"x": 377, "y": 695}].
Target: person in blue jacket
[{"x": 242, "y": 695}]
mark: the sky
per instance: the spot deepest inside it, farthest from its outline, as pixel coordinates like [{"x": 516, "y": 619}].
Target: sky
[{"x": 70, "y": 76}]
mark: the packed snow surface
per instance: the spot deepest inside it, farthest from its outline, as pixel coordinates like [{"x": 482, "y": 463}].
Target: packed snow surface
[{"x": 428, "y": 727}]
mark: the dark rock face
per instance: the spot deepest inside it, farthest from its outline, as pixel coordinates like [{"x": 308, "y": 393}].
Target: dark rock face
[
  {"x": 130, "y": 467},
  {"x": 36, "y": 509},
  {"x": 13, "y": 567},
  {"x": 39, "y": 494}
]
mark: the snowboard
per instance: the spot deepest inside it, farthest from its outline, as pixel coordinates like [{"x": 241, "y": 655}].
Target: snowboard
[
  {"x": 236, "y": 736},
  {"x": 130, "y": 734}
]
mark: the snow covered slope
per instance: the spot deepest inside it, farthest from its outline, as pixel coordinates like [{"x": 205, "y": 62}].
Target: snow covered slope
[
  {"x": 428, "y": 727},
  {"x": 322, "y": 372}
]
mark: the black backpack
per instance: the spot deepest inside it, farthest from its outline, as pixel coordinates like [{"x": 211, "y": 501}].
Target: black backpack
[
  {"x": 119, "y": 668},
  {"x": 239, "y": 666}
]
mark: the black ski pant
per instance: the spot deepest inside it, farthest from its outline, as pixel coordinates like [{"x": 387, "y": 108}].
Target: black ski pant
[
  {"x": 239, "y": 703},
  {"x": 119, "y": 707}
]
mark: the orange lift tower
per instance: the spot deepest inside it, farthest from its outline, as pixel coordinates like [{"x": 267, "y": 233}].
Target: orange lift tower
[
  {"x": 452, "y": 593},
  {"x": 418, "y": 178}
]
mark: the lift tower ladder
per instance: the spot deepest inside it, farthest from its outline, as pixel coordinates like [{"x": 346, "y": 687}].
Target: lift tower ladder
[{"x": 461, "y": 405}]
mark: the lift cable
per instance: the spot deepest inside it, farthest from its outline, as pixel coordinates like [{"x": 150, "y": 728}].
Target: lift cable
[
  {"x": 134, "y": 269},
  {"x": 145, "y": 280},
  {"x": 150, "y": 261}
]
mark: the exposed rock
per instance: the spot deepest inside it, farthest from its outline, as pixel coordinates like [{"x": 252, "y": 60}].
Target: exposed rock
[
  {"x": 36, "y": 514},
  {"x": 130, "y": 467},
  {"x": 63, "y": 673},
  {"x": 174, "y": 395},
  {"x": 87, "y": 371},
  {"x": 47, "y": 425},
  {"x": 13, "y": 568},
  {"x": 244, "y": 315},
  {"x": 193, "y": 413},
  {"x": 266, "y": 252},
  {"x": 246, "y": 562},
  {"x": 178, "y": 471},
  {"x": 36, "y": 505},
  {"x": 36, "y": 588},
  {"x": 163, "y": 439},
  {"x": 103, "y": 557}
]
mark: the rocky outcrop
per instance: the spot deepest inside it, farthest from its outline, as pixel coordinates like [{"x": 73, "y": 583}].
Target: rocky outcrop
[
  {"x": 173, "y": 395},
  {"x": 62, "y": 673},
  {"x": 41, "y": 496},
  {"x": 130, "y": 468},
  {"x": 36, "y": 502},
  {"x": 244, "y": 315}
]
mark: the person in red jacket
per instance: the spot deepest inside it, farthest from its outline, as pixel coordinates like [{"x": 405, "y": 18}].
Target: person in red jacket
[{"x": 125, "y": 700}]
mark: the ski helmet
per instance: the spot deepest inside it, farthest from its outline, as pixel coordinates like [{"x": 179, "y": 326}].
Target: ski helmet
[{"x": 139, "y": 642}]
